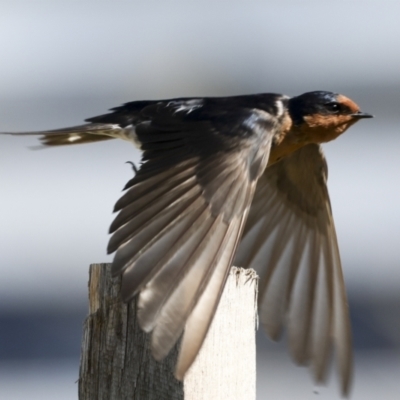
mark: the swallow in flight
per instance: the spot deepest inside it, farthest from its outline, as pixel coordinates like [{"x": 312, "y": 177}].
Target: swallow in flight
[{"x": 230, "y": 181}]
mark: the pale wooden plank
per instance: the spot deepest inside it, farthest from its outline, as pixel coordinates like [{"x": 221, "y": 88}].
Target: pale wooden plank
[{"x": 116, "y": 361}]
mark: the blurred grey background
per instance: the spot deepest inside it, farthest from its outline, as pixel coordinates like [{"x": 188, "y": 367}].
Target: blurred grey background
[{"x": 63, "y": 61}]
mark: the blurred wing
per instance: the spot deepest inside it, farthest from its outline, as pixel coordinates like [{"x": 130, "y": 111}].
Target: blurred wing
[
  {"x": 290, "y": 239},
  {"x": 182, "y": 216}
]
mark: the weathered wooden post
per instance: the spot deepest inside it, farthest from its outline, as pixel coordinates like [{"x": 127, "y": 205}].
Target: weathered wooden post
[{"x": 116, "y": 362}]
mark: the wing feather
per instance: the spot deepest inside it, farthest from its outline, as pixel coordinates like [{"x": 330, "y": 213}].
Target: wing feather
[
  {"x": 179, "y": 305},
  {"x": 200, "y": 319},
  {"x": 290, "y": 239},
  {"x": 181, "y": 219}
]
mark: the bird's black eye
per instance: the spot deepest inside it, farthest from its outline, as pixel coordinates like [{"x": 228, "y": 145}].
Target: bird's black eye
[{"x": 333, "y": 107}]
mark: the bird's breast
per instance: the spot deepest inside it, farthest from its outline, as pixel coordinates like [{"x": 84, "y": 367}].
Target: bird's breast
[{"x": 285, "y": 141}]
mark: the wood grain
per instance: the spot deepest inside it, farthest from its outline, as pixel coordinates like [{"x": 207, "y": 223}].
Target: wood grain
[{"x": 116, "y": 361}]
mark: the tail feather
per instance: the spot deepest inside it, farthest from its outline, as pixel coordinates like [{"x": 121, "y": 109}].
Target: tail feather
[{"x": 80, "y": 134}]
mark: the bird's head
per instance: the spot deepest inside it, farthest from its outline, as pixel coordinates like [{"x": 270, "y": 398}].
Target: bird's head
[{"x": 323, "y": 116}]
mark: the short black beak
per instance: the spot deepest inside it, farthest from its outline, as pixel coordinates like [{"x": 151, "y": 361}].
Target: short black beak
[{"x": 360, "y": 114}]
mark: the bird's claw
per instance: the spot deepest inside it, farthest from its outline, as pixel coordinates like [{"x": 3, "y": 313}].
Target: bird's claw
[{"x": 135, "y": 170}]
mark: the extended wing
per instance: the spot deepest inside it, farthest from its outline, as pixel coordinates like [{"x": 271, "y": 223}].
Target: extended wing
[
  {"x": 290, "y": 239},
  {"x": 183, "y": 214}
]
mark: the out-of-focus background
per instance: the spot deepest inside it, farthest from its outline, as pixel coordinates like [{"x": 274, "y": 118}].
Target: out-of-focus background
[{"x": 63, "y": 61}]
